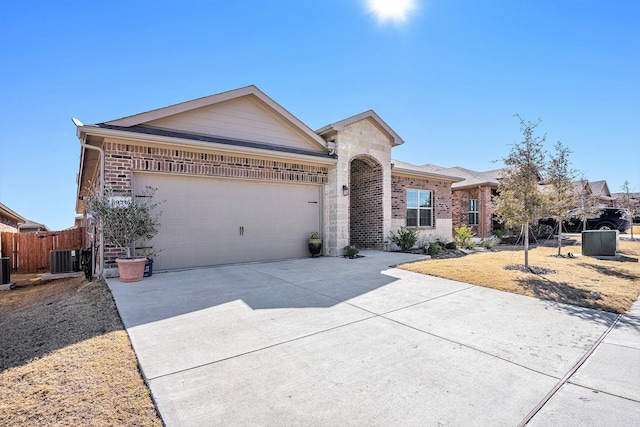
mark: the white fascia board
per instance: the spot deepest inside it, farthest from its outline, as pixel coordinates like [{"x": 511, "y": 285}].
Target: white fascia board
[
  {"x": 476, "y": 185},
  {"x": 411, "y": 172}
]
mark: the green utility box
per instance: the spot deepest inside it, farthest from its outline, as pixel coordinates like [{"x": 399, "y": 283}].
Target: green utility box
[{"x": 600, "y": 242}]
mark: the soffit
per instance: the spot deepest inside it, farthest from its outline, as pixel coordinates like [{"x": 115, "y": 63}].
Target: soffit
[{"x": 394, "y": 138}]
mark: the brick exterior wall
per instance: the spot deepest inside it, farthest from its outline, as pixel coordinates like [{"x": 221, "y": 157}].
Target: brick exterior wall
[
  {"x": 366, "y": 204},
  {"x": 441, "y": 194},
  {"x": 460, "y": 209},
  {"x": 122, "y": 160},
  {"x": 7, "y": 224}
]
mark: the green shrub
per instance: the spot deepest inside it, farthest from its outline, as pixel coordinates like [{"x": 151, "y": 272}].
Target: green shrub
[
  {"x": 351, "y": 251},
  {"x": 405, "y": 239},
  {"x": 434, "y": 249},
  {"x": 451, "y": 245},
  {"x": 500, "y": 232},
  {"x": 463, "y": 236},
  {"x": 439, "y": 243},
  {"x": 488, "y": 242}
]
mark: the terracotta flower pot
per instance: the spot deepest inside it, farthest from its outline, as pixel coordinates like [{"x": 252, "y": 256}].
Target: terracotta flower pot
[{"x": 131, "y": 269}]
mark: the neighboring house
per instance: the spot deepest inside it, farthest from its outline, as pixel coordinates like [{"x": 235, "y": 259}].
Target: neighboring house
[
  {"x": 471, "y": 197},
  {"x": 245, "y": 180},
  {"x": 582, "y": 187},
  {"x": 15, "y": 223},
  {"x": 600, "y": 189},
  {"x": 32, "y": 227},
  {"x": 9, "y": 220},
  {"x": 634, "y": 198}
]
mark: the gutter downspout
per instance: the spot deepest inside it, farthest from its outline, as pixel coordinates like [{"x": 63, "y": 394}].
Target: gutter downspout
[{"x": 83, "y": 143}]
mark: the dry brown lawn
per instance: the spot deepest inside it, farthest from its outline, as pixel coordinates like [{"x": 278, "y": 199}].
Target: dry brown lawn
[
  {"x": 576, "y": 280},
  {"x": 65, "y": 358}
]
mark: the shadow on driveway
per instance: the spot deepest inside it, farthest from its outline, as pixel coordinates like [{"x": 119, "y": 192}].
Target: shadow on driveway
[{"x": 301, "y": 283}]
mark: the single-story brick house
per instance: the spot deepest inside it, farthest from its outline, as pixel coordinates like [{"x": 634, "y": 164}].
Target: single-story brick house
[
  {"x": 471, "y": 197},
  {"x": 245, "y": 180}
]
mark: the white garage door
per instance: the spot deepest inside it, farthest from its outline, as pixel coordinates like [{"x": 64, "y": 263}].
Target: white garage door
[{"x": 212, "y": 221}]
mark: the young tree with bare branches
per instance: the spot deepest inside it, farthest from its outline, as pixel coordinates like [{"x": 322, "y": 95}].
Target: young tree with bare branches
[
  {"x": 519, "y": 203},
  {"x": 627, "y": 203},
  {"x": 587, "y": 206},
  {"x": 560, "y": 194}
]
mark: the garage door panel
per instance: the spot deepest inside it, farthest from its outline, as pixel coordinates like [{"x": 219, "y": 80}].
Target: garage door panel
[{"x": 201, "y": 220}]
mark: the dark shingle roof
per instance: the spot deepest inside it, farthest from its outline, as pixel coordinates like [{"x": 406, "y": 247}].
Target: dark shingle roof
[
  {"x": 212, "y": 139},
  {"x": 471, "y": 177}
]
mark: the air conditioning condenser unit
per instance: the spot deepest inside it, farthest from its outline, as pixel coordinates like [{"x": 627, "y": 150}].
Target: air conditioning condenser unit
[{"x": 64, "y": 261}]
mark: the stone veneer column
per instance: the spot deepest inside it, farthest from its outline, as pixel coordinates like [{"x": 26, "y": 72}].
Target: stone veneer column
[
  {"x": 356, "y": 139},
  {"x": 336, "y": 212}
]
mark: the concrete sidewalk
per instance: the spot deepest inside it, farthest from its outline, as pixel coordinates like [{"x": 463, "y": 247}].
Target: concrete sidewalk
[{"x": 332, "y": 341}]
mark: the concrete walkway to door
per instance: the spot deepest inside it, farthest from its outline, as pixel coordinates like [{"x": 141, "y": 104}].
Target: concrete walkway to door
[{"x": 339, "y": 342}]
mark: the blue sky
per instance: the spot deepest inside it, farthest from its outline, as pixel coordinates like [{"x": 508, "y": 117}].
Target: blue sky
[{"x": 448, "y": 78}]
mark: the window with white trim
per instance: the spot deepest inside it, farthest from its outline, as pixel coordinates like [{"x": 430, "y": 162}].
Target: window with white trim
[
  {"x": 419, "y": 208},
  {"x": 473, "y": 212}
]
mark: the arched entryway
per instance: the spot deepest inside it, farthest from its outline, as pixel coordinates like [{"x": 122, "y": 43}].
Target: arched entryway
[{"x": 366, "y": 213}]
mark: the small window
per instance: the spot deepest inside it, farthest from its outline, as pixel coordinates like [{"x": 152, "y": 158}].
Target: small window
[
  {"x": 419, "y": 208},
  {"x": 473, "y": 211}
]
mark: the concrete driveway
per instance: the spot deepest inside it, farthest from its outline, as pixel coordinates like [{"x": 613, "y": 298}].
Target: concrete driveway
[{"x": 336, "y": 342}]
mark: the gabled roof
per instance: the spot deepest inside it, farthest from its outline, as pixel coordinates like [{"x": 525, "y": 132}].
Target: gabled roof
[
  {"x": 207, "y": 101},
  {"x": 408, "y": 168},
  {"x": 370, "y": 114},
  {"x": 469, "y": 178},
  {"x": 582, "y": 187},
  {"x": 157, "y": 126},
  {"x": 600, "y": 188}
]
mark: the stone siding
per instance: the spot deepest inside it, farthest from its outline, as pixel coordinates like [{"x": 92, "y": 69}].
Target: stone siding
[{"x": 359, "y": 140}]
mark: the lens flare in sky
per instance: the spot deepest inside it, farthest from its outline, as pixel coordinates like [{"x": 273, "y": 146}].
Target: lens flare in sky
[{"x": 394, "y": 11}]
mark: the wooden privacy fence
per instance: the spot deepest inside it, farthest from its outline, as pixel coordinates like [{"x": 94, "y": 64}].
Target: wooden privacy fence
[{"x": 29, "y": 253}]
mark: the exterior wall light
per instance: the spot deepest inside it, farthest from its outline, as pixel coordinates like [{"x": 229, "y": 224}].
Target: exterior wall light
[{"x": 345, "y": 190}]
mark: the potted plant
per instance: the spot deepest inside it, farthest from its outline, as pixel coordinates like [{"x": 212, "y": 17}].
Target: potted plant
[
  {"x": 149, "y": 253},
  {"x": 123, "y": 219},
  {"x": 315, "y": 244}
]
